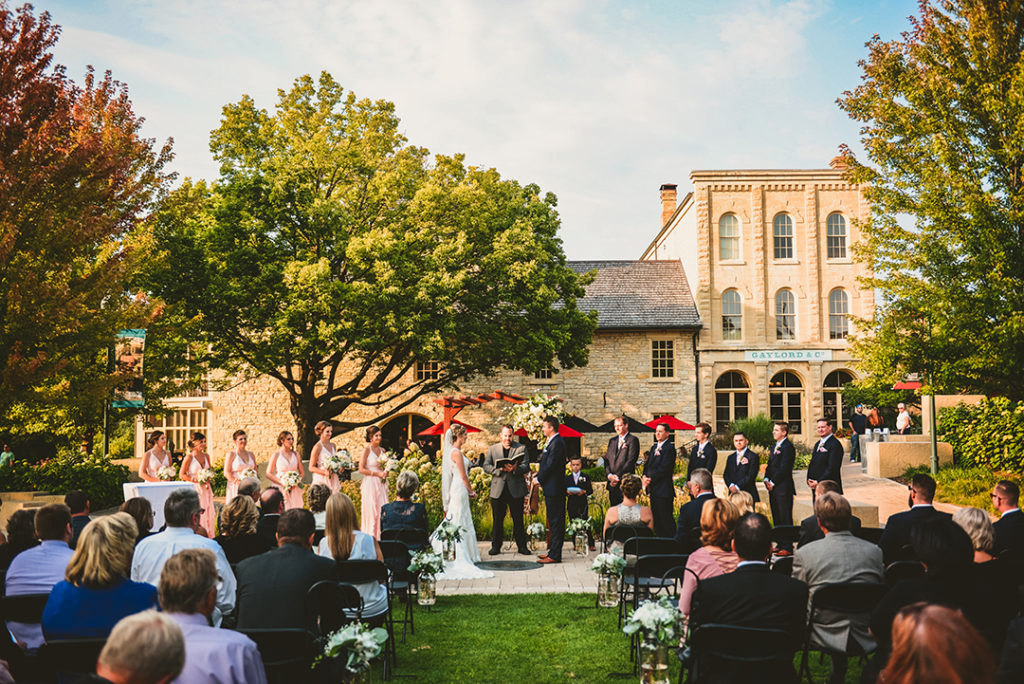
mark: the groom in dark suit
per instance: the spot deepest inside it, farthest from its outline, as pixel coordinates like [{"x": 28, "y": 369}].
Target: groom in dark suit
[
  {"x": 508, "y": 489},
  {"x": 551, "y": 475},
  {"x": 658, "y": 471},
  {"x": 620, "y": 458}
]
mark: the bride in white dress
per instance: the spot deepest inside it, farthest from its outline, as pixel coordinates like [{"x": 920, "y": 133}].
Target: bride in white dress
[{"x": 455, "y": 494}]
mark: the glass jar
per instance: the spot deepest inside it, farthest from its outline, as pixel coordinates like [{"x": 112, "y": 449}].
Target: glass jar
[
  {"x": 579, "y": 543},
  {"x": 653, "y": 662},
  {"x": 427, "y": 594},
  {"x": 448, "y": 548},
  {"x": 608, "y": 590}
]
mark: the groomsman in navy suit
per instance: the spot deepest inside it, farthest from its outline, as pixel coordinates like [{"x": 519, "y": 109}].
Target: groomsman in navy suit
[
  {"x": 778, "y": 480},
  {"x": 578, "y": 504},
  {"x": 703, "y": 455},
  {"x": 551, "y": 475},
  {"x": 742, "y": 467},
  {"x": 826, "y": 459},
  {"x": 657, "y": 480}
]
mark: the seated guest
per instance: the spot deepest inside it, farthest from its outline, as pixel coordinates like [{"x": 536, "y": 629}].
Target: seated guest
[
  {"x": 743, "y": 502},
  {"x": 182, "y": 511},
  {"x": 716, "y": 557},
  {"x": 976, "y": 523},
  {"x": 896, "y": 534},
  {"x": 1009, "y": 529},
  {"x": 141, "y": 511},
  {"x": 839, "y": 558},
  {"x": 688, "y": 527},
  {"x": 21, "y": 535},
  {"x": 402, "y": 512},
  {"x": 271, "y": 508},
  {"x": 96, "y": 591},
  {"x": 992, "y": 579},
  {"x": 79, "y": 505},
  {"x": 36, "y": 570},
  {"x": 750, "y": 596},
  {"x": 936, "y": 645},
  {"x": 810, "y": 530},
  {"x": 145, "y": 648},
  {"x": 238, "y": 535},
  {"x": 344, "y": 541},
  {"x": 1011, "y": 664},
  {"x": 318, "y": 495},
  {"x": 250, "y": 487},
  {"x": 629, "y": 512},
  {"x": 188, "y": 594},
  {"x": 272, "y": 586}
]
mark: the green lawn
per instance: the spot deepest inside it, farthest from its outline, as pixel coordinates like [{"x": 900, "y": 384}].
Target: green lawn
[{"x": 525, "y": 637}]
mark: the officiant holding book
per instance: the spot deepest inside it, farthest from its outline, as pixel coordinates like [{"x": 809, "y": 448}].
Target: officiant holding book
[{"x": 507, "y": 462}]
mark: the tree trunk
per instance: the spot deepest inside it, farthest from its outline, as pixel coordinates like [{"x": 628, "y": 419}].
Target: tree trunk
[{"x": 306, "y": 417}]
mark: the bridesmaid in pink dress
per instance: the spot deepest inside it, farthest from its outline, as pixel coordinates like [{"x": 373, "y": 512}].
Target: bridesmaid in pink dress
[
  {"x": 285, "y": 460},
  {"x": 322, "y": 448},
  {"x": 156, "y": 458},
  {"x": 373, "y": 489},
  {"x": 197, "y": 459},
  {"x": 237, "y": 462}
]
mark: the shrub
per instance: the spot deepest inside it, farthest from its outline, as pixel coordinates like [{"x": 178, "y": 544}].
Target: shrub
[
  {"x": 596, "y": 474},
  {"x": 989, "y": 435},
  {"x": 758, "y": 430},
  {"x": 969, "y": 486},
  {"x": 100, "y": 479}
]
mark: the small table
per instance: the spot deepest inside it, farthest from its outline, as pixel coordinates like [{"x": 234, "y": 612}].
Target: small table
[{"x": 156, "y": 493}]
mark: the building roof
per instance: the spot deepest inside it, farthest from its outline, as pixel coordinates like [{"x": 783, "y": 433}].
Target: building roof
[{"x": 639, "y": 295}]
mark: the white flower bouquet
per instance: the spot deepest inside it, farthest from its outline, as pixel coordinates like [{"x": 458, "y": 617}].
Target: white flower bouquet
[
  {"x": 249, "y": 472},
  {"x": 167, "y": 473},
  {"x": 426, "y": 563},
  {"x": 530, "y": 414},
  {"x": 608, "y": 564},
  {"x": 358, "y": 643},
  {"x": 291, "y": 479},
  {"x": 205, "y": 476},
  {"x": 579, "y": 525},
  {"x": 449, "y": 531},
  {"x": 338, "y": 462},
  {"x": 656, "y": 620},
  {"x": 536, "y": 530},
  {"x": 390, "y": 462}
]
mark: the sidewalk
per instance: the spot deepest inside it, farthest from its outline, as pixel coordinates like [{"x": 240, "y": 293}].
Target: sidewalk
[{"x": 571, "y": 576}]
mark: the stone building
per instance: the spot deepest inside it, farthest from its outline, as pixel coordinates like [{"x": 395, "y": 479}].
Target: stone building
[{"x": 769, "y": 254}]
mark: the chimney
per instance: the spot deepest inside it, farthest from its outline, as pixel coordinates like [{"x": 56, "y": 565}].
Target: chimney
[{"x": 668, "y": 202}]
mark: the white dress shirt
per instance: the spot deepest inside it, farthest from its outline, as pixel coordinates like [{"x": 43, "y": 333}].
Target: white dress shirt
[
  {"x": 217, "y": 656},
  {"x": 153, "y": 551},
  {"x": 35, "y": 571}
]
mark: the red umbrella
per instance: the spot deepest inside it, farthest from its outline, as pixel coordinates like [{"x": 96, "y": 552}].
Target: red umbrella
[
  {"x": 438, "y": 428},
  {"x": 673, "y": 423},
  {"x": 563, "y": 430}
]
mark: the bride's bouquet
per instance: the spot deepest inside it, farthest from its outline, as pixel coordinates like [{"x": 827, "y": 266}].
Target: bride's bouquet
[
  {"x": 426, "y": 563},
  {"x": 338, "y": 462},
  {"x": 290, "y": 480},
  {"x": 249, "y": 472},
  {"x": 167, "y": 473},
  {"x": 205, "y": 476},
  {"x": 449, "y": 532},
  {"x": 357, "y": 643}
]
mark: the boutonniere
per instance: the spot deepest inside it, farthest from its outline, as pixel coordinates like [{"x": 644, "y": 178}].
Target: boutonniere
[
  {"x": 744, "y": 462},
  {"x": 778, "y": 450}
]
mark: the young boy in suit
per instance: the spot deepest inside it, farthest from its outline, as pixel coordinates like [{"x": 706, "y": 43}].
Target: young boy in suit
[{"x": 578, "y": 505}]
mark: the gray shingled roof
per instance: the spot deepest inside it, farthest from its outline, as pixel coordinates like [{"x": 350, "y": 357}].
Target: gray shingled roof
[{"x": 638, "y": 295}]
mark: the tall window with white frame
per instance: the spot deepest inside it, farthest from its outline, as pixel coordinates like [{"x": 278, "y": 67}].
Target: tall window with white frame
[
  {"x": 428, "y": 370},
  {"x": 835, "y": 236},
  {"x": 782, "y": 236},
  {"x": 838, "y": 311},
  {"x": 785, "y": 315},
  {"x": 179, "y": 425},
  {"x": 729, "y": 238},
  {"x": 785, "y": 400},
  {"x": 732, "y": 315},
  {"x": 663, "y": 359},
  {"x": 732, "y": 399},
  {"x": 832, "y": 396}
]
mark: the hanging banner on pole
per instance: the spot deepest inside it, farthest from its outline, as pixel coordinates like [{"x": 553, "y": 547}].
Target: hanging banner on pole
[{"x": 128, "y": 352}]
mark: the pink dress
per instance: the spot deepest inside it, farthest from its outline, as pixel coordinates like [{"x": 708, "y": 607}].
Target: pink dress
[
  {"x": 289, "y": 463},
  {"x": 332, "y": 482},
  {"x": 154, "y": 464},
  {"x": 208, "y": 517},
  {"x": 239, "y": 465},
  {"x": 374, "y": 495}
]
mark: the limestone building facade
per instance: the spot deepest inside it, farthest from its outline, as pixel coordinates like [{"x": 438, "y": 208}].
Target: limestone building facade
[{"x": 769, "y": 253}]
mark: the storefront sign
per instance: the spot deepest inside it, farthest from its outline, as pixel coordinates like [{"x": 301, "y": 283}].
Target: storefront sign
[{"x": 766, "y": 355}]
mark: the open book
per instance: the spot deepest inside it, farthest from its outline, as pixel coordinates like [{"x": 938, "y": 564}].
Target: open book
[{"x": 502, "y": 462}]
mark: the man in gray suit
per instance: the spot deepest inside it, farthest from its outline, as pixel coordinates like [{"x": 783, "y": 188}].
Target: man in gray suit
[
  {"x": 839, "y": 557},
  {"x": 507, "y": 462}
]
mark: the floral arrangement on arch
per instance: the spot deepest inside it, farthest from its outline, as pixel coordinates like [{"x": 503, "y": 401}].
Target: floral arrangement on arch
[
  {"x": 167, "y": 473},
  {"x": 530, "y": 414}
]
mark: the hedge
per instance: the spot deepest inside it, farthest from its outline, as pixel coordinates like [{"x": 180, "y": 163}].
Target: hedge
[
  {"x": 100, "y": 479},
  {"x": 988, "y": 435}
]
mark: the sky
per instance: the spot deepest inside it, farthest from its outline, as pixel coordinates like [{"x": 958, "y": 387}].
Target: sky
[{"x": 599, "y": 102}]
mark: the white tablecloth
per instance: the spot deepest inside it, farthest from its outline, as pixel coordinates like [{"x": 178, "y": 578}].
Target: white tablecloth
[{"x": 157, "y": 493}]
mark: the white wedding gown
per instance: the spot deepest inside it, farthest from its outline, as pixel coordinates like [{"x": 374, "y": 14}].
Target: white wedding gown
[{"x": 459, "y": 512}]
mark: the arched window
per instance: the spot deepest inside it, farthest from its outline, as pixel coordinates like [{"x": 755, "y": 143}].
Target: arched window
[
  {"x": 396, "y": 432},
  {"x": 838, "y": 309},
  {"x": 732, "y": 315},
  {"x": 728, "y": 237},
  {"x": 835, "y": 231},
  {"x": 782, "y": 234},
  {"x": 785, "y": 315},
  {"x": 785, "y": 400},
  {"x": 833, "y": 396},
  {"x": 732, "y": 399}
]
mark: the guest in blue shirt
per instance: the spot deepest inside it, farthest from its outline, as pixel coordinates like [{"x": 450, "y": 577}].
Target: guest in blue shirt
[{"x": 96, "y": 592}]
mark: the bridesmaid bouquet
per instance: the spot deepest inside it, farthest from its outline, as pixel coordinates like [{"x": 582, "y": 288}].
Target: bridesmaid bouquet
[
  {"x": 205, "y": 476},
  {"x": 249, "y": 472},
  {"x": 338, "y": 462},
  {"x": 357, "y": 643},
  {"x": 390, "y": 462},
  {"x": 167, "y": 473},
  {"x": 291, "y": 480}
]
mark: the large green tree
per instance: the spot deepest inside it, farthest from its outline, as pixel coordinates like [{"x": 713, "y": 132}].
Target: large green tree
[
  {"x": 333, "y": 256},
  {"x": 943, "y": 115},
  {"x": 76, "y": 180}
]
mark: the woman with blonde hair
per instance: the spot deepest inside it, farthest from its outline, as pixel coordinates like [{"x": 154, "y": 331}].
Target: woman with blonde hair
[
  {"x": 96, "y": 591},
  {"x": 978, "y": 526},
  {"x": 283, "y": 461},
  {"x": 374, "y": 489},
  {"x": 717, "y": 520},
  {"x": 344, "y": 541},
  {"x": 238, "y": 535},
  {"x": 742, "y": 501},
  {"x": 323, "y": 448},
  {"x": 196, "y": 461},
  {"x": 236, "y": 463}
]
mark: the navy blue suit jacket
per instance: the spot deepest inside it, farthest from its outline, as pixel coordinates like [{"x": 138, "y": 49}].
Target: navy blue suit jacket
[
  {"x": 707, "y": 458},
  {"x": 551, "y": 473},
  {"x": 660, "y": 469},
  {"x": 689, "y": 516},
  {"x": 827, "y": 461},
  {"x": 896, "y": 534},
  {"x": 744, "y": 475},
  {"x": 780, "y": 468}
]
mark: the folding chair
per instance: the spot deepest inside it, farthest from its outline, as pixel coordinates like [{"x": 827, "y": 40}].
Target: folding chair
[
  {"x": 644, "y": 546},
  {"x": 869, "y": 534},
  {"x": 620, "y": 533},
  {"x": 903, "y": 570},
  {"x": 72, "y": 658},
  {"x": 403, "y": 583},
  {"x": 647, "y": 580},
  {"x": 746, "y": 648},
  {"x": 333, "y": 605},
  {"x": 363, "y": 572},
  {"x": 413, "y": 537},
  {"x": 848, "y": 598},
  {"x": 783, "y": 535},
  {"x": 287, "y": 653},
  {"x": 27, "y": 608},
  {"x": 784, "y": 565}
]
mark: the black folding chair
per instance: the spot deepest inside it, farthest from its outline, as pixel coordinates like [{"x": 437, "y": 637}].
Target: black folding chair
[
  {"x": 27, "y": 608},
  {"x": 72, "y": 658},
  {"x": 869, "y": 534},
  {"x": 647, "y": 580},
  {"x": 403, "y": 583},
  {"x": 333, "y": 605},
  {"x": 621, "y": 533},
  {"x": 903, "y": 570},
  {"x": 783, "y": 565},
  {"x": 413, "y": 537},
  {"x": 363, "y": 572},
  {"x": 785, "y": 535},
  {"x": 644, "y": 546},
  {"x": 846, "y": 598},
  {"x": 744, "y": 651},
  {"x": 287, "y": 653}
]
